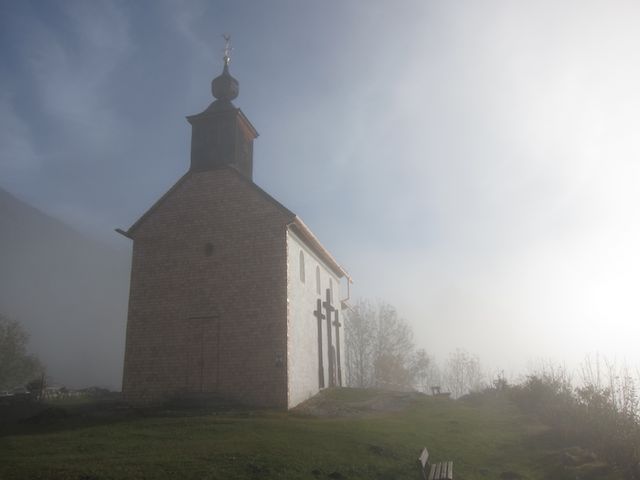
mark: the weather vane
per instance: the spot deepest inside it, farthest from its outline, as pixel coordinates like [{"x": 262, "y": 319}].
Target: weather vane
[{"x": 227, "y": 48}]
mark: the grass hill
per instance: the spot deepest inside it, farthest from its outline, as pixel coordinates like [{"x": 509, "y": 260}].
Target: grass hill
[{"x": 340, "y": 434}]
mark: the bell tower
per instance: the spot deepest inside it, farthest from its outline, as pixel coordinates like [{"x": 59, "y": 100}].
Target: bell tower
[{"x": 222, "y": 135}]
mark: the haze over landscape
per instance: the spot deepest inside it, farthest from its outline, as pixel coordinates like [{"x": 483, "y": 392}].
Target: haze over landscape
[{"x": 473, "y": 164}]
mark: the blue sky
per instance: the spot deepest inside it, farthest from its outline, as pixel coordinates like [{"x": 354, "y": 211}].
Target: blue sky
[{"x": 473, "y": 163}]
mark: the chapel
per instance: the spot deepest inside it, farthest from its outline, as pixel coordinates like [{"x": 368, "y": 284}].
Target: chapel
[{"x": 231, "y": 294}]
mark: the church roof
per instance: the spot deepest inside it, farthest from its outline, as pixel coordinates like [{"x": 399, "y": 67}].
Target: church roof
[
  {"x": 295, "y": 222},
  {"x": 299, "y": 227}
]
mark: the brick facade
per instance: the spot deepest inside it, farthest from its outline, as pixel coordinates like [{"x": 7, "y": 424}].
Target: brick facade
[{"x": 208, "y": 299}]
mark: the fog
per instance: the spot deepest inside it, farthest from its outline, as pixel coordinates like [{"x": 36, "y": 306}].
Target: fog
[
  {"x": 474, "y": 164},
  {"x": 68, "y": 291}
]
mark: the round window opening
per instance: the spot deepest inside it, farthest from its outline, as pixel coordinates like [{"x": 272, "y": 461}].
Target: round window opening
[{"x": 208, "y": 249}]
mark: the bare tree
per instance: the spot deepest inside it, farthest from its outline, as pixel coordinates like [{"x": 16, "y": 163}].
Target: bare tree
[
  {"x": 359, "y": 343},
  {"x": 393, "y": 349},
  {"x": 614, "y": 380},
  {"x": 590, "y": 371},
  {"x": 462, "y": 373},
  {"x": 425, "y": 371},
  {"x": 380, "y": 350}
]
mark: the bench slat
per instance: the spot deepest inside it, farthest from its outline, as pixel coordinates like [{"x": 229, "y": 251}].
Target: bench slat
[
  {"x": 441, "y": 471},
  {"x": 436, "y": 469}
]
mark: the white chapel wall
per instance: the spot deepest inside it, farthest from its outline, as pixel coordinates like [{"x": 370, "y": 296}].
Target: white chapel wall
[{"x": 302, "y": 351}]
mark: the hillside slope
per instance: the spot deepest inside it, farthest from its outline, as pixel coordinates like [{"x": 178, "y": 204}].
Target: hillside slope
[
  {"x": 374, "y": 436},
  {"x": 69, "y": 291}
]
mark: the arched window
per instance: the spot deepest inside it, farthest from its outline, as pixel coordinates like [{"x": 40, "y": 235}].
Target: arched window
[
  {"x": 318, "y": 289},
  {"x": 301, "y": 266}
]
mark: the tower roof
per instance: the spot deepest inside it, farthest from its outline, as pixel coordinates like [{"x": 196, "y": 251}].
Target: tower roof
[
  {"x": 224, "y": 87},
  {"x": 221, "y": 134}
]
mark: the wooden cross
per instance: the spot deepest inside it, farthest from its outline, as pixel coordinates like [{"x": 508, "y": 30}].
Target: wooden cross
[
  {"x": 337, "y": 324},
  {"x": 329, "y": 309},
  {"x": 320, "y": 316}
]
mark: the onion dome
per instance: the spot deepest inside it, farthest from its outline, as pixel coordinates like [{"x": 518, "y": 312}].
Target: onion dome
[{"x": 224, "y": 87}]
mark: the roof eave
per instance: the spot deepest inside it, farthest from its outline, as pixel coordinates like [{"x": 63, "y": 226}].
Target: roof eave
[{"x": 313, "y": 242}]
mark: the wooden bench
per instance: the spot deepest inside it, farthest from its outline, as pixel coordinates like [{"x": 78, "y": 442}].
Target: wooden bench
[
  {"x": 436, "y": 471},
  {"x": 436, "y": 391}
]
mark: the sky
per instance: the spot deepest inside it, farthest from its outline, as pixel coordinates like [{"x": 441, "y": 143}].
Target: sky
[{"x": 474, "y": 164}]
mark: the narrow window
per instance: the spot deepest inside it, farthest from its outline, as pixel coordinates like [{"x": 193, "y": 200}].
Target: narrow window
[
  {"x": 331, "y": 288},
  {"x": 301, "y": 266},
  {"x": 318, "y": 289}
]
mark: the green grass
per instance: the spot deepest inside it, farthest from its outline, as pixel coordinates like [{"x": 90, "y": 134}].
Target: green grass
[{"x": 484, "y": 440}]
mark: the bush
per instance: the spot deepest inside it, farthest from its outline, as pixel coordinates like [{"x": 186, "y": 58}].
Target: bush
[{"x": 602, "y": 419}]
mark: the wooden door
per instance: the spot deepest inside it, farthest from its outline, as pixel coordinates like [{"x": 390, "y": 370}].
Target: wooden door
[{"x": 201, "y": 347}]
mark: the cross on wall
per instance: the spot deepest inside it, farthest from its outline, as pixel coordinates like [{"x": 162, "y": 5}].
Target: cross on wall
[
  {"x": 320, "y": 316},
  {"x": 337, "y": 324},
  {"x": 333, "y": 352}
]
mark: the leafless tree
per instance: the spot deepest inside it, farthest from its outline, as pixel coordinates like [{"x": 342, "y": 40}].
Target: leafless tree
[
  {"x": 462, "y": 373},
  {"x": 425, "y": 371},
  {"x": 393, "y": 349},
  {"x": 380, "y": 350},
  {"x": 359, "y": 343}
]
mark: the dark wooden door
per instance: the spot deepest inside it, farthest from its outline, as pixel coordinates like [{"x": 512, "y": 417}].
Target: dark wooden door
[{"x": 201, "y": 347}]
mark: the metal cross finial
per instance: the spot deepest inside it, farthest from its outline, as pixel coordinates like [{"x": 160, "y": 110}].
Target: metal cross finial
[{"x": 227, "y": 48}]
